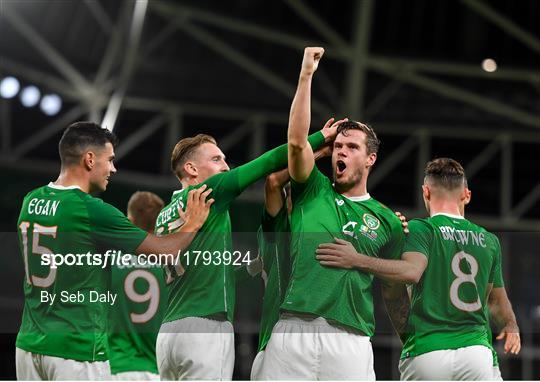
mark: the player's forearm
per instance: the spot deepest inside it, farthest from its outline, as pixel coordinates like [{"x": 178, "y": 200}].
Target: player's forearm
[
  {"x": 273, "y": 191},
  {"x": 300, "y": 114},
  {"x": 391, "y": 270},
  {"x": 170, "y": 246},
  {"x": 501, "y": 309},
  {"x": 398, "y": 306},
  {"x": 270, "y": 162},
  {"x": 273, "y": 199}
]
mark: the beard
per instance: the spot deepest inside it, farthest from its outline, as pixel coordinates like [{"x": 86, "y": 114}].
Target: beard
[{"x": 345, "y": 183}]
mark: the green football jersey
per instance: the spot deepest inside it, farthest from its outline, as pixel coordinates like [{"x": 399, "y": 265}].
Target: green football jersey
[
  {"x": 449, "y": 304},
  {"x": 319, "y": 215},
  {"x": 274, "y": 247},
  {"x": 134, "y": 321},
  {"x": 203, "y": 283},
  {"x": 65, "y": 308}
]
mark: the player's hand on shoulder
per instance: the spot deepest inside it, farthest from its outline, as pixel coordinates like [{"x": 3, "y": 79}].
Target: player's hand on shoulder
[
  {"x": 403, "y": 220},
  {"x": 197, "y": 208},
  {"x": 329, "y": 130},
  {"x": 312, "y": 56}
]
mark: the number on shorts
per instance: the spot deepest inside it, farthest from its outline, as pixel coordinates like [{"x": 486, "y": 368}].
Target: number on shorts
[{"x": 464, "y": 278}]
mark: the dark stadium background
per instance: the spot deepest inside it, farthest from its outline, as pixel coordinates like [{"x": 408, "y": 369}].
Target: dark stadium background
[{"x": 412, "y": 69}]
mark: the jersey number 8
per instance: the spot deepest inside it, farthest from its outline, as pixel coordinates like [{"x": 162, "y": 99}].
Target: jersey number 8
[{"x": 464, "y": 278}]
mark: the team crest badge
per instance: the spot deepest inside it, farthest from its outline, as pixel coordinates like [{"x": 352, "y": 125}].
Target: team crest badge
[{"x": 371, "y": 221}]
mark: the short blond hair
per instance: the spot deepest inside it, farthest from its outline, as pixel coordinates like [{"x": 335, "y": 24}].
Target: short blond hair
[
  {"x": 184, "y": 150},
  {"x": 145, "y": 207}
]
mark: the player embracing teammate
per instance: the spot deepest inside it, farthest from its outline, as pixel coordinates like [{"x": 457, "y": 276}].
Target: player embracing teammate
[
  {"x": 453, "y": 264},
  {"x": 327, "y": 314},
  {"x": 340, "y": 238}
]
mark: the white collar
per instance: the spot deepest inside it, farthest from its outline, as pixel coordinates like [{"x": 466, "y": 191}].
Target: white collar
[
  {"x": 449, "y": 215},
  {"x": 59, "y": 187},
  {"x": 362, "y": 198}
]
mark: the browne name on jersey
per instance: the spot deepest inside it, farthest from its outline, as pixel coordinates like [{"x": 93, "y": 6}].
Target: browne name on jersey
[{"x": 463, "y": 236}]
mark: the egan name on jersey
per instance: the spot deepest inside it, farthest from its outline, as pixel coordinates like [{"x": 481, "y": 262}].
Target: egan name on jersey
[{"x": 44, "y": 207}]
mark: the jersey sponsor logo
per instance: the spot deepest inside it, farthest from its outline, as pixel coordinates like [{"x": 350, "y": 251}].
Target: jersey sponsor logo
[
  {"x": 43, "y": 207},
  {"x": 349, "y": 229},
  {"x": 340, "y": 202},
  {"x": 371, "y": 221}
]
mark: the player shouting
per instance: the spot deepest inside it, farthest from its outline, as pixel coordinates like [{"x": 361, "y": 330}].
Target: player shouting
[{"x": 327, "y": 314}]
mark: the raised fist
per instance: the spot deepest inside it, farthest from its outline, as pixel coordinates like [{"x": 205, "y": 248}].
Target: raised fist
[{"x": 312, "y": 56}]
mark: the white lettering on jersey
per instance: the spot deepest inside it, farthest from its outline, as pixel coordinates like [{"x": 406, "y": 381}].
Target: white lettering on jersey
[
  {"x": 43, "y": 207},
  {"x": 167, "y": 214},
  {"x": 463, "y": 236}
]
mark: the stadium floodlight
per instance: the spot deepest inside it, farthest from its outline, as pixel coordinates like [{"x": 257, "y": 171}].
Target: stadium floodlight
[
  {"x": 9, "y": 87},
  {"x": 489, "y": 65},
  {"x": 51, "y": 104},
  {"x": 30, "y": 96}
]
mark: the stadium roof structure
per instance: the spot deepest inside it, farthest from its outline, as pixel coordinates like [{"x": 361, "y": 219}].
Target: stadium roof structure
[{"x": 157, "y": 70}]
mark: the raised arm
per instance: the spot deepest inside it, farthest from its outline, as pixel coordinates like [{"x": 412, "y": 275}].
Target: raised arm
[
  {"x": 301, "y": 160},
  {"x": 197, "y": 210},
  {"x": 228, "y": 185},
  {"x": 505, "y": 319}
]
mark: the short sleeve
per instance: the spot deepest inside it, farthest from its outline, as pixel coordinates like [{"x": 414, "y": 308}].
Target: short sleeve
[
  {"x": 419, "y": 238},
  {"x": 112, "y": 229},
  {"x": 495, "y": 276},
  {"x": 310, "y": 188},
  {"x": 392, "y": 249}
]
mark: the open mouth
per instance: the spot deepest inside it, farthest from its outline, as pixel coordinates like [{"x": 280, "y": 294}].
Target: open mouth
[{"x": 341, "y": 166}]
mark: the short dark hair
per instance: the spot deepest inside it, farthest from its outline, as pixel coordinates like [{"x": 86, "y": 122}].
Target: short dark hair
[
  {"x": 446, "y": 173},
  {"x": 78, "y": 137},
  {"x": 372, "y": 142},
  {"x": 184, "y": 149},
  {"x": 145, "y": 207}
]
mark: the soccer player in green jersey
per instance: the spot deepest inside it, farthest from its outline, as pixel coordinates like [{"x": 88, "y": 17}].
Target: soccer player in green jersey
[
  {"x": 455, "y": 266},
  {"x": 273, "y": 241},
  {"x": 196, "y": 339},
  {"x": 274, "y": 248},
  {"x": 327, "y": 314},
  {"x": 135, "y": 319},
  {"x": 63, "y": 334}
]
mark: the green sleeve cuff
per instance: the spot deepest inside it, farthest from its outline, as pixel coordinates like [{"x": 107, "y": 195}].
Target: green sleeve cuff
[{"x": 316, "y": 140}]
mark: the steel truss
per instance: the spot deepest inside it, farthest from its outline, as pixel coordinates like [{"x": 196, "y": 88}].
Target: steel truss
[{"x": 106, "y": 93}]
